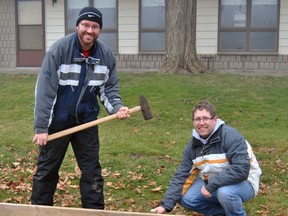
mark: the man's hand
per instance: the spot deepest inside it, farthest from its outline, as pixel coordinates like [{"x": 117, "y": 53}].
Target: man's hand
[
  {"x": 159, "y": 210},
  {"x": 205, "y": 193},
  {"x": 40, "y": 139},
  {"x": 123, "y": 113}
]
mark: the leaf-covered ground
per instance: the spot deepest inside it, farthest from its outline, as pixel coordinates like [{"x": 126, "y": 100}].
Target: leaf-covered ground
[{"x": 16, "y": 180}]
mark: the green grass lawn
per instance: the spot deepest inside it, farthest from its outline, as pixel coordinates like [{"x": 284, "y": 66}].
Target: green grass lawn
[{"x": 139, "y": 157}]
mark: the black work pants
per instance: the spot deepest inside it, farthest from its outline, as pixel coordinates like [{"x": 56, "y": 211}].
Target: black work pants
[{"x": 86, "y": 150}]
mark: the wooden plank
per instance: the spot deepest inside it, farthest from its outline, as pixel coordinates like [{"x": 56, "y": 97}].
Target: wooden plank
[{"x": 9, "y": 209}]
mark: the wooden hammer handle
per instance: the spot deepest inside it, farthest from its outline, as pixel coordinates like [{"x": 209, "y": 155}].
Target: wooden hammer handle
[{"x": 89, "y": 124}]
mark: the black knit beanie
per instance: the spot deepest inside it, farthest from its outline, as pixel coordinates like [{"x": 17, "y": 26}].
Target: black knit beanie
[{"x": 91, "y": 14}]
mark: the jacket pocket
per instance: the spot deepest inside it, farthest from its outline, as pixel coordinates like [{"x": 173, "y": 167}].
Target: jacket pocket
[{"x": 88, "y": 111}]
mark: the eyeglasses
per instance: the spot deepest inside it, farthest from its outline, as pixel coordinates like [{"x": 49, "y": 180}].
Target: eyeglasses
[
  {"x": 204, "y": 119},
  {"x": 87, "y": 26}
]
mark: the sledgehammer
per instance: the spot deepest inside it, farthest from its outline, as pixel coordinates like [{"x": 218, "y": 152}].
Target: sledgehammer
[{"x": 144, "y": 107}]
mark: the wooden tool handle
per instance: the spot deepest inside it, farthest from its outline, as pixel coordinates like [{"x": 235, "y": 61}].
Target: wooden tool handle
[{"x": 89, "y": 124}]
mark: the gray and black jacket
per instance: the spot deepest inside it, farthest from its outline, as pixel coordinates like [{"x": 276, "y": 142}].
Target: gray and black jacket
[
  {"x": 68, "y": 85},
  {"x": 227, "y": 158}
]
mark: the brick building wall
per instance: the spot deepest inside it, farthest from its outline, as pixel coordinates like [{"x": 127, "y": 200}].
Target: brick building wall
[
  {"x": 7, "y": 35},
  {"x": 220, "y": 62},
  {"x": 273, "y": 63},
  {"x": 140, "y": 61}
]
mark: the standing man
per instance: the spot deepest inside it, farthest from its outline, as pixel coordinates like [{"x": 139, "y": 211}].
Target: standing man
[
  {"x": 76, "y": 70},
  {"x": 228, "y": 172}
]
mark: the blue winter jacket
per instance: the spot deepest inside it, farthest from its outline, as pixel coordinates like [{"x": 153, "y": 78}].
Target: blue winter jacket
[
  {"x": 227, "y": 158},
  {"x": 68, "y": 85}
]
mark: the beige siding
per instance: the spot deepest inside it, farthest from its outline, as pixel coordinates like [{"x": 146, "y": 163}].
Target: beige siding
[
  {"x": 128, "y": 26},
  {"x": 54, "y": 22},
  {"x": 283, "y": 28},
  {"x": 207, "y": 27}
]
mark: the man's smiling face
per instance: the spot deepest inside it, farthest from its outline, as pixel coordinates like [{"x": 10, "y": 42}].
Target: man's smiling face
[
  {"x": 88, "y": 32},
  {"x": 204, "y": 123}
]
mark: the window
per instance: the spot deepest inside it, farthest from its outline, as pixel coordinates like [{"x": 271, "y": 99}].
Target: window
[
  {"x": 153, "y": 25},
  {"x": 249, "y": 25},
  {"x": 108, "y": 9},
  {"x": 72, "y": 13},
  {"x": 109, "y": 32},
  {"x": 30, "y": 28}
]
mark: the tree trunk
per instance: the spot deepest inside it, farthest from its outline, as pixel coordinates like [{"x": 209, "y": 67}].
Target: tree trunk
[{"x": 181, "y": 38}]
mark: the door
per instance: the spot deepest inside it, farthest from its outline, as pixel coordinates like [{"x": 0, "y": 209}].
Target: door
[{"x": 30, "y": 33}]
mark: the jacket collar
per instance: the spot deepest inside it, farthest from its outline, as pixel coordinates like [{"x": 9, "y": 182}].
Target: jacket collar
[{"x": 214, "y": 138}]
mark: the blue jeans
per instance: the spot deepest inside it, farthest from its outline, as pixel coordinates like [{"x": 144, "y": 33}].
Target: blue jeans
[{"x": 225, "y": 200}]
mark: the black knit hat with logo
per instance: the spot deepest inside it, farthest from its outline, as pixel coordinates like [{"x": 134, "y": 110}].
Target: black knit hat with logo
[{"x": 91, "y": 14}]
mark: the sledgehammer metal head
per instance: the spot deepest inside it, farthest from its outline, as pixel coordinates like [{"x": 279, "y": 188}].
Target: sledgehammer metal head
[{"x": 145, "y": 108}]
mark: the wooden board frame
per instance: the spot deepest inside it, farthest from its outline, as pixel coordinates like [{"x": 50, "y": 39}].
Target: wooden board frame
[{"x": 9, "y": 209}]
